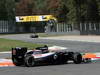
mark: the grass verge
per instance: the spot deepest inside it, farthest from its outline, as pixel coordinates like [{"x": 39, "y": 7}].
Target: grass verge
[
  {"x": 7, "y": 45},
  {"x": 40, "y": 34}
]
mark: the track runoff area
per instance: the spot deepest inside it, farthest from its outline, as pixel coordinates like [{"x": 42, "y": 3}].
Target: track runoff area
[{"x": 4, "y": 62}]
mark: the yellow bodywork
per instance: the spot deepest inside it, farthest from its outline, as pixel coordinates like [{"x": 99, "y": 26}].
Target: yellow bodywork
[{"x": 35, "y": 18}]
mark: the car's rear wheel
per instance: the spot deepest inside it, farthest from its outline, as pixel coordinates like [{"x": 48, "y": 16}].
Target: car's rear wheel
[
  {"x": 29, "y": 61},
  {"x": 77, "y": 58}
]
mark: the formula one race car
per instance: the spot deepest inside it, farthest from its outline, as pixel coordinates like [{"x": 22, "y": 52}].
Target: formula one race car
[
  {"x": 34, "y": 35},
  {"x": 21, "y": 56}
]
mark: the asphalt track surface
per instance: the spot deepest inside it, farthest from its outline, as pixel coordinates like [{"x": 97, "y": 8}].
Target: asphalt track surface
[{"x": 65, "y": 69}]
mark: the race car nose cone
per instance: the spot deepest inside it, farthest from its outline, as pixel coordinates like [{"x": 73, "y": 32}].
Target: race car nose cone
[{"x": 89, "y": 55}]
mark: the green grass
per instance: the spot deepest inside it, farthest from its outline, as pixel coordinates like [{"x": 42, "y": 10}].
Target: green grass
[{"x": 7, "y": 45}]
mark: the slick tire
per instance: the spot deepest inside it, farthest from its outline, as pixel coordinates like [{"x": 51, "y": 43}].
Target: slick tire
[
  {"x": 29, "y": 61},
  {"x": 77, "y": 57}
]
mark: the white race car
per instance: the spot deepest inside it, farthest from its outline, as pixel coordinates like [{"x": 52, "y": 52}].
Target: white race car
[{"x": 49, "y": 55}]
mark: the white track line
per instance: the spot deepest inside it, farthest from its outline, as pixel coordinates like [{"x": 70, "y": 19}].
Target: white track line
[{"x": 5, "y": 52}]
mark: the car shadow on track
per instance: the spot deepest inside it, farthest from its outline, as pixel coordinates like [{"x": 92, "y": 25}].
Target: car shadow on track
[{"x": 46, "y": 64}]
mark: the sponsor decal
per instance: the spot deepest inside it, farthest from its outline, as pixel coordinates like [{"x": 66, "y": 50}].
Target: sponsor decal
[
  {"x": 42, "y": 55},
  {"x": 92, "y": 56}
]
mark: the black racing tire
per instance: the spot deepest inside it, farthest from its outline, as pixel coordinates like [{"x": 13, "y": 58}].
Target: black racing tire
[
  {"x": 77, "y": 58},
  {"x": 29, "y": 61},
  {"x": 16, "y": 62}
]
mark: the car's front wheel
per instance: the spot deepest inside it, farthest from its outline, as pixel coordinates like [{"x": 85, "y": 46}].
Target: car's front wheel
[{"x": 77, "y": 57}]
